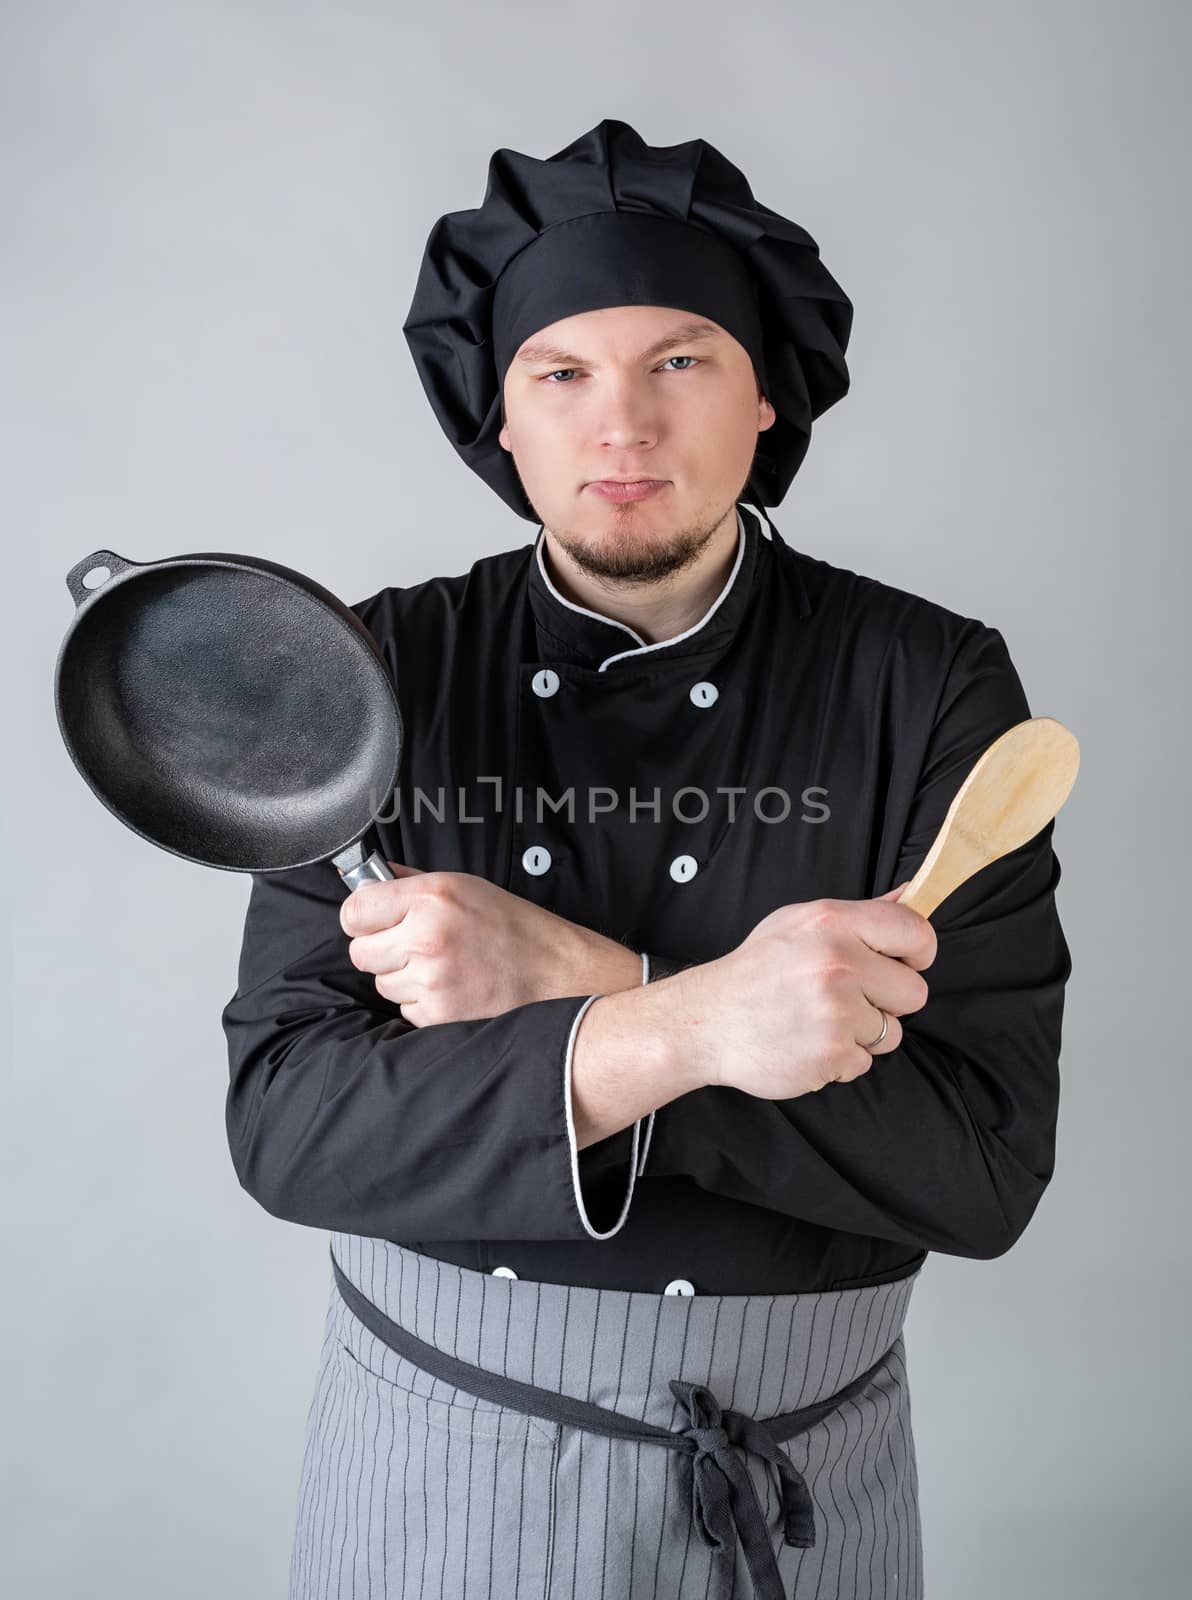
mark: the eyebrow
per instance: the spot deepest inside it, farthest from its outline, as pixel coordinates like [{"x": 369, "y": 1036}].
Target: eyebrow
[{"x": 688, "y": 333}]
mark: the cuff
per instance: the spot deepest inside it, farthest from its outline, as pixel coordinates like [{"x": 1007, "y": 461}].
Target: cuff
[
  {"x": 634, "y": 1167},
  {"x": 655, "y": 967},
  {"x": 641, "y": 1166}
]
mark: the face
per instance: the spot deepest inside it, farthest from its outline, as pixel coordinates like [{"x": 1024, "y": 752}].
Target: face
[{"x": 633, "y": 392}]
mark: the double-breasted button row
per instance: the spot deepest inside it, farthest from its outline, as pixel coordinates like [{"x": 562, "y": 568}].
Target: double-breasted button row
[
  {"x": 546, "y": 683},
  {"x": 536, "y": 859},
  {"x": 675, "y": 1286}
]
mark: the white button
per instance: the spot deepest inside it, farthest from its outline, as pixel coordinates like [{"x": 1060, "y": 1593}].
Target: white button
[
  {"x": 504, "y": 1272},
  {"x": 683, "y": 867},
  {"x": 536, "y": 860},
  {"x": 545, "y": 683},
  {"x": 679, "y": 1286},
  {"x": 704, "y": 694}
]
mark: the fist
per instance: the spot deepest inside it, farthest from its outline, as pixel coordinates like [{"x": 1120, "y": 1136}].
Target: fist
[
  {"x": 798, "y": 1004},
  {"x": 451, "y": 946}
]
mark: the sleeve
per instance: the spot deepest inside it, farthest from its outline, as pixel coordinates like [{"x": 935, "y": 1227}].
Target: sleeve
[
  {"x": 656, "y": 967},
  {"x": 343, "y": 1115},
  {"x": 947, "y": 1142}
]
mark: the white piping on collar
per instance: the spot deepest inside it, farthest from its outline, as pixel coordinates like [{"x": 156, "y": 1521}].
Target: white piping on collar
[
  {"x": 570, "y": 604},
  {"x": 642, "y": 648},
  {"x": 762, "y": 523}
]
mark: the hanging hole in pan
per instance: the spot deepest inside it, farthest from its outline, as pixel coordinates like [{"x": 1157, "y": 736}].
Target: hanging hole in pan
[{"x": 95, "y": 576}]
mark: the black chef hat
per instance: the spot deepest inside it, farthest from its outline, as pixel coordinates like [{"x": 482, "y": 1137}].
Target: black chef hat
[{"x": 612, "y": 221}]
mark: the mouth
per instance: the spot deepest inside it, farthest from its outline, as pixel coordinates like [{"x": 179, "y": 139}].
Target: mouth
[{"x": 625, "y": 489}]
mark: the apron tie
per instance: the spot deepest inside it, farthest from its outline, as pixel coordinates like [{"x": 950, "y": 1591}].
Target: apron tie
[{"x": 723, "y": 1496}]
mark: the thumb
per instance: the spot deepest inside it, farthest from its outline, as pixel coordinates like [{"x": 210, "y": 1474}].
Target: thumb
[
  {"x": 892, "y": 894},
  {"x": 402, "y": 869}
]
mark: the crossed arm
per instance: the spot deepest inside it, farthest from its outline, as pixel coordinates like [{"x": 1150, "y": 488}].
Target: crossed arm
[{"x": 344, "y": 1112}]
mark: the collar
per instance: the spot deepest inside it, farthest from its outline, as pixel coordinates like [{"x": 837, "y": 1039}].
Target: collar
[{"x": 572, "y": 633}]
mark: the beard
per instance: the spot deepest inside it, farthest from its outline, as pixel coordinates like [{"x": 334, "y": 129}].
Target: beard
[
  {"x": 630, "y": 551},
  {"x": 636, "y": 555}
]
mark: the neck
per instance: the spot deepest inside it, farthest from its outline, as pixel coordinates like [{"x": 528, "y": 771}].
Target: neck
[{"x": 655, "y": 608}]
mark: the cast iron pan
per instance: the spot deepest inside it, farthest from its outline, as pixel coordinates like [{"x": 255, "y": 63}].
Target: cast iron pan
[{"x": 229, "y": 710}]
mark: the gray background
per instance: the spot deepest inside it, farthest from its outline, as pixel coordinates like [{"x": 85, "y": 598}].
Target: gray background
[{"x": 213, "y": 218}]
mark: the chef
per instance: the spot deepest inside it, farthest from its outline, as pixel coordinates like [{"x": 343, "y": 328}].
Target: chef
[{"x": 635, "y": 1103}]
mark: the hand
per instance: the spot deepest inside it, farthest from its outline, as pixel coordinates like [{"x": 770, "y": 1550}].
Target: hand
[
  {"x": 448, "y": 946},
  {"x": 792, "y": 1007}
]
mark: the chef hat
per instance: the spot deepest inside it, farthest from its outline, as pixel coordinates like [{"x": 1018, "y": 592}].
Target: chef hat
[{"x": 612, "y": 221}]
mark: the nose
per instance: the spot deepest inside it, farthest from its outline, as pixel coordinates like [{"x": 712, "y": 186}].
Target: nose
[{"x": 627, "y": 418}]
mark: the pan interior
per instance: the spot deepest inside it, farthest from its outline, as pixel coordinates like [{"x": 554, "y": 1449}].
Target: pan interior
[{"x": 229, "y": 716}]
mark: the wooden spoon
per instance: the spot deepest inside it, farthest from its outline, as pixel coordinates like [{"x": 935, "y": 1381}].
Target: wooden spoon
[{"x": 1013, "y": 791}]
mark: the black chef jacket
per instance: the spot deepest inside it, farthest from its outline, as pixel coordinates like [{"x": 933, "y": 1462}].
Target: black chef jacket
[{"x": 803, "y": 739}]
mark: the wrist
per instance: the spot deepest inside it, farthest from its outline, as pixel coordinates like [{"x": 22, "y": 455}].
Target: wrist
[
  {"x": 694, "y": 1036},
  {"x": 674, "y": 1038},
  {"x": 626, "y": 1063},
  {"x": 610, "y": 967}
]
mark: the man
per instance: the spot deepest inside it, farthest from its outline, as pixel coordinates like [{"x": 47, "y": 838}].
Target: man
[{"x": 627, "y": 1104}]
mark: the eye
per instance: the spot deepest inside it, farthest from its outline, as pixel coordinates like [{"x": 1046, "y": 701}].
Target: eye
[{"x": 547, "y": 377}]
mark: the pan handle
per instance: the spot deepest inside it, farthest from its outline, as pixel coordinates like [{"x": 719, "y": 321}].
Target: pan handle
[
  {"x": 98, "y": 558},
  {"x": 354, "y": 868}
]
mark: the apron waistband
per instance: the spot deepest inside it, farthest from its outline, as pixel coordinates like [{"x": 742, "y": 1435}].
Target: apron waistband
[{"x": 724, "y": 1502}]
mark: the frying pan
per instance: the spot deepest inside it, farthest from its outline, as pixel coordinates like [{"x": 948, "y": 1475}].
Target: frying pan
[{"x": 230, "y": 710}]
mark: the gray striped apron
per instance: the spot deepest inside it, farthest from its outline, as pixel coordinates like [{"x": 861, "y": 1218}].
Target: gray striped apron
[{"x": 479, "y": 1435}]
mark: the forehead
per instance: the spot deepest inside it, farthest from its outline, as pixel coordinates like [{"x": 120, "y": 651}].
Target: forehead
[{"x": 632, "y": 331}]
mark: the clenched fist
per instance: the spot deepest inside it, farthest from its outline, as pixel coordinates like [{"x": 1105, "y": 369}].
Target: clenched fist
[
  {"x": 449, "y": 946},
  {"x": 794, "y": 1006}
]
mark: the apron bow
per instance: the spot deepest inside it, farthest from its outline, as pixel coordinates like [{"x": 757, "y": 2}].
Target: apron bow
[{"x": 723, "y": 1498}]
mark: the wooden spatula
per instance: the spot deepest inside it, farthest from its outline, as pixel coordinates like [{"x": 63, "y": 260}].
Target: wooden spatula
[{"x": 1013, "y": 790}]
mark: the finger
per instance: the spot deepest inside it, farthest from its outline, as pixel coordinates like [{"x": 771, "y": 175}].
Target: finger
[
  {"x": 378, "y": 952},
  {"x": 408, "y": 1011},
  {"x": 374, "y": 906},
  {"x": 400, "y": 987},
  {"x": 893, "y": 930},
  {"x": 871, "y": 1025},
  {"x": 893, "y": 985}
]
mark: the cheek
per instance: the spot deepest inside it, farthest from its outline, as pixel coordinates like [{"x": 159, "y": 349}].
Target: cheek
[
  {"x": 723, "y": 432},
  {"x": 546, "y": 441}
]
